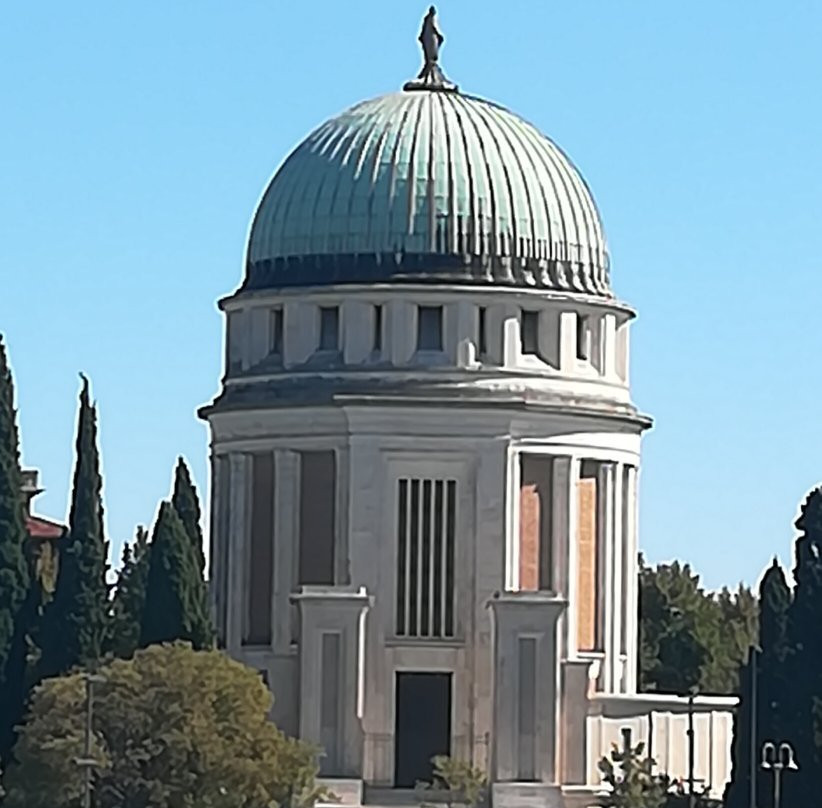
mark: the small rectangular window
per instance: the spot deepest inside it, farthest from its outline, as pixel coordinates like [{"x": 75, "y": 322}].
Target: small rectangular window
[
  {"x": 377, "y": 328},
  {"x": 529, "y": 333},
  {"x": 275, "y": 339},
  {"x": 482, "y": 334},
  {"x": 429, "y": 328},
  {"x": 583, "y": 337},
  {"x": 233, "y": 342},
  {"x": 329, "y": 328}
]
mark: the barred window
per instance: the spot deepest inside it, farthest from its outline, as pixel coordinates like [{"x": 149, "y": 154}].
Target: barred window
[{"x": 426, "y": 529}]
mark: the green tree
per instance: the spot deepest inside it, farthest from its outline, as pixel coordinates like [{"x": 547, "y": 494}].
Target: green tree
[
  {"x": 173, "y": 727},
  {"x": 804, "y": 655},
  {"x": 15, "y": 581},
  {"x": 130, "y": 596},
  {"x": 187, "y": 504},
  {"x": 456, "y": 782},
  {"x": 76, "y": 620},
  {"x": 771, "y": 688},
  {"x": 630, "y": 775},
  {"x": 175, "y": 600},
  {"x": 689, "y": 638}
]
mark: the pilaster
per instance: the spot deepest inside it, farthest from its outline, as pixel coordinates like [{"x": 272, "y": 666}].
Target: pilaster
[
  {"x": 358, "y": 331},
  {"x": 402, "y": 331},
  {"x": 630, "y": 572},
  {"x": 605, "y": 550},
  {"x": 286, "y": 473},
  {"x": 238, "y": 550},
  {"x": 526, "y": 686},
  {"x": 332, "y": 692}
]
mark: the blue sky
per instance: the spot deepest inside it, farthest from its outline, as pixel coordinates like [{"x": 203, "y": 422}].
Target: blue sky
[{"x": 137, "y": 137}]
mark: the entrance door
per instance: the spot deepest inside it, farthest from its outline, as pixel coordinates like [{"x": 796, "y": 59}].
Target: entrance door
[{"x": 422, "y": 727}]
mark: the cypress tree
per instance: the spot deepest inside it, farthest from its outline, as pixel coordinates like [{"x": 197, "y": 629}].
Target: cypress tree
[
  {"x": 175, "y": 594},
  {"x": 771, "y": 691},
  {"x": 76, "y": 621},
  {"x": 187, "y": 504},
  {"x": 15, "y": 580},
  {"x": 805, "y": 656},
  {"x": 129, "y": 597}
]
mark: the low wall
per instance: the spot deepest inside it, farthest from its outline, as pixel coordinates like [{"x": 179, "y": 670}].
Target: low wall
[{"x": 660, "y": 721}]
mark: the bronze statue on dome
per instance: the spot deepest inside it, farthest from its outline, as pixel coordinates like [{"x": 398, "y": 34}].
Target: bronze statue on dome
[{"x": 431, "y": 76}]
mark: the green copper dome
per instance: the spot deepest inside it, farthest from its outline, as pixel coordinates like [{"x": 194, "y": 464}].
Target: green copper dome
[{"x": 426, "y": 185}]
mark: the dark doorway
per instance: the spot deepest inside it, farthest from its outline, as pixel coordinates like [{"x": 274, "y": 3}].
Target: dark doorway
[{"x": 423, "y": 725}]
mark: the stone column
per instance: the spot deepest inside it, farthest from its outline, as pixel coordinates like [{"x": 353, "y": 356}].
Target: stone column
[
  {"x": 526, "y": 686},
  {"x": 461, "y": 334},
  {"x": 568, "y": 342},
  {"x": 605, "y": 563},
  {"x": 300, "y": 332},
  {"x": 489, "y": 571},
  {"x": 401, "y": 333},
  {"x": 616, "y": 604},
  {"x": 357, "y": 331},
  {"x": 564, "y": 546},
  {"x": 238, "y": 495},
  {"x": 332, "y": 652},
  {"x": 630, "y": 564},
  {"x": 259, "y": 342},
  {"x": 218, "y": 552},
  {"x": 286, "y": 503}
]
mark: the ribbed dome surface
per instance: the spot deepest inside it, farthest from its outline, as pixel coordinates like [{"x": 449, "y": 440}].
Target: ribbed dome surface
[{"x": 428, "y": 186}]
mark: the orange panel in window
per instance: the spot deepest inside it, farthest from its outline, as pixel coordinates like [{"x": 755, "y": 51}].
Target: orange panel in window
[
  {"x": 529, "y": 533},
  {"x": 587, "y": 564}
]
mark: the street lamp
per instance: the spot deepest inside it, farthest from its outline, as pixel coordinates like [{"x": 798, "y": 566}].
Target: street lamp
[
  {"x": 87, "y": 762},
  {"x": 776, "y": 759},
  {"x": 691, "y": 697}
]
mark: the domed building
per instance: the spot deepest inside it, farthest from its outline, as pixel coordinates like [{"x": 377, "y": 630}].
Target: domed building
[{"x": 425, "y": 459}]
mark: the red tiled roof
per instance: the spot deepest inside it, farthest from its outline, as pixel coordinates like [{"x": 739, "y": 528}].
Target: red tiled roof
[{"x": 39, "y": 528}]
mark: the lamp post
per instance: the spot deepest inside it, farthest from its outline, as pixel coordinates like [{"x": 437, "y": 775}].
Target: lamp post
[
  {"x": 777, "y": 759},
  {"x": 87, "y": 763},
  {"x": 691, "y": 796}
]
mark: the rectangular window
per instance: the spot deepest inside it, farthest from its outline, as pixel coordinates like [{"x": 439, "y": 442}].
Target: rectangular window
[
  {"x": 234, "y": 342},
  {"x": 261, "y": 557},
  {"x": 429, "y": 328},
  {"x": 529, "y": 333},
  {"x": 318, "y": 494},
  {"x": 426, "y": 536},
  {"x": 329, "y": 328},
  {"x": 275, "y": 338},
  {"x": 482, "y": 334},
  {"x": 535, "y": 560},
  {"x": 583, "y": 338},
  {"x": 377, "y": 328}
]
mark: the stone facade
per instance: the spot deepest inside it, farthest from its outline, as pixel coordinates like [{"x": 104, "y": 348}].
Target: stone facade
[{"x": 381, "y": 509}]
